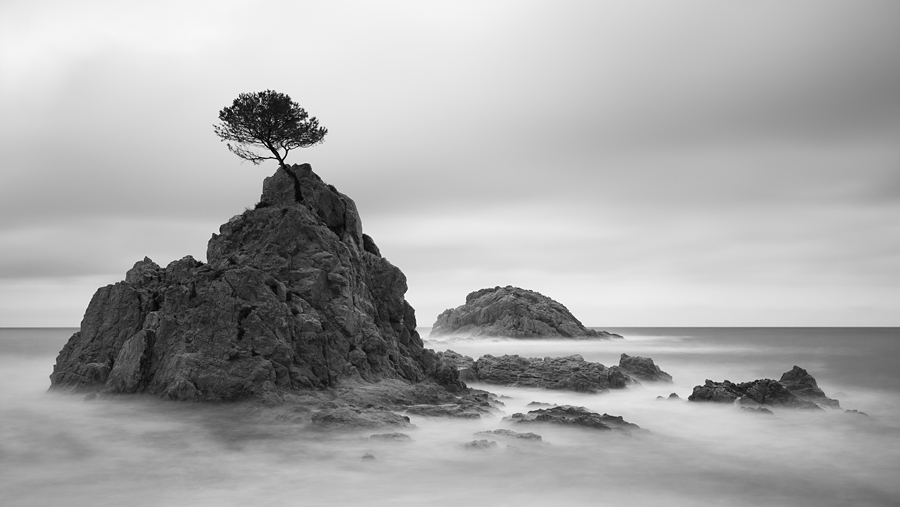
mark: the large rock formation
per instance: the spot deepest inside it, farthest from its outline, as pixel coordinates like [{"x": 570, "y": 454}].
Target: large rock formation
[
  {"x": 567, "y": 415},
  {"x": 515, "y": 313},
  {"x": 294, "y": 296},
  {"x": 796, "y": 389}
]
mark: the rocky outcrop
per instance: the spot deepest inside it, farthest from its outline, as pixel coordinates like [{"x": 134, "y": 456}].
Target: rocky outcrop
[
  {"x": 568, "y": 415},
  {"x": 757, "y": 392},
  {"x": 796, "y": 389},
  {"x": 571, "y": 373},
  {"x": 465, "y": 365},
  {"x": 642, "y": 368},
  {"x": 515, "y": 313},
  {"x": 804, "y": 386},
  {"x": 294, "y": 296}
]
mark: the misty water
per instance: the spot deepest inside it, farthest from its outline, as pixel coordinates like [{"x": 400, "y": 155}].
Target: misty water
[{"x": 61, "y": 450}]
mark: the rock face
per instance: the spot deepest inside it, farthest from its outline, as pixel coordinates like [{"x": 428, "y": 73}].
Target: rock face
[
  {"x": 568, "y": 415},
  {"x": 804, "y": 386},
  {"x": 515, "y": 313},
  {"x": 643, "y": 368},
  {"x": 294, "y": 296},
  {"x": 570, "y": 373},
  {"x": 796, "y": 389}
]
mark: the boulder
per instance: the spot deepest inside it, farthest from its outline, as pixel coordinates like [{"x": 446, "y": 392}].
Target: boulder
[
  {"x": 351, "y": 418},
  {"x": 568, "y": 415},
  {"x": 571, "y": 373},
  {"x": 642, "y": 368},
  {"x": 804, "y": 386},
  {"x": 515, "y": 313},
  {"x": 294, "y": 296}
]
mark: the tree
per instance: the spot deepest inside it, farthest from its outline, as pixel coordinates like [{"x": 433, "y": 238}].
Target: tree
[{"x": 269, "y": 120}]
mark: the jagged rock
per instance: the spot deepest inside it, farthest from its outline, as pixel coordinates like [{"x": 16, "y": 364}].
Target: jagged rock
[
  {"x": 540, "y": 404},
  {"x": 763, "y": 392},
  {"x": 642, "y": 368},
  {"x": 480, "y": 445},
  {"x": 568, "y": 415},
  {"x": 802, "y": 384},
  {"x": 448, "y": 410},
  {"x": 512, "y": 312},
  {"x": 570, "y": 373},
  {"x": 796, "y": 389},
  {"x": 391, "y": 437},
  {"x": 294, "y": 296},
  {"x": 758, "y": 410},
  {"x": 510, "y": 435},
  {"x": 856, "y": 412},
  {"x": 351, "y": 418}
]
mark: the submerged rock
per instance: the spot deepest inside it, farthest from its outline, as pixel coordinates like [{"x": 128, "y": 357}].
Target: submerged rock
[
  {"x": 643, "y": 368},
  {"x": 294, "y": 297},
  {"x": 510, "y": 435},
  {"x": 391, "y": 437},
  {"x": 758, "y": 410},
  {"x": 515, "y": 313},
  {"x": 351, "y": 418},
  {"x": 570, "y": 373},
  {"x": 568, "y": 415},
  {"x": 480, "y": 445}
]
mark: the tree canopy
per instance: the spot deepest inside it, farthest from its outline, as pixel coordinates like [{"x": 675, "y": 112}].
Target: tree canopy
[{"x": 269, "y": 120}]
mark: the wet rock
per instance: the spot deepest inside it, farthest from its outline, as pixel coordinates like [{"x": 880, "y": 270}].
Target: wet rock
[
  {"x": 352, "y": 418},
  {"x": 568, "y": 415},
  {"x": 643, "y": 368},
  {"x": 515, "y": 313},
  {"x": 762, "y": 392},
  {"x": 448, "y": 410},
  {"x": 757, "y": 410},
  {"x": 480, "y": 445},
  {"x": 510, "y": 435},
  {"x": 571, "y": 373},
  {"x": 391, "y": 437},
  {"x": 804, "y": 386},
  {"x": 294, "y": 297},
  {"x": 796, "y": 389}
]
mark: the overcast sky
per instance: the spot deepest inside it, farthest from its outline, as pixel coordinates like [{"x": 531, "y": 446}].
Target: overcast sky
[{"x": 644, "y": 163}]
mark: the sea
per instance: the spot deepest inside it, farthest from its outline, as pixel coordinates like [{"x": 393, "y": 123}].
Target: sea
[{"x": 140, "y": 451}]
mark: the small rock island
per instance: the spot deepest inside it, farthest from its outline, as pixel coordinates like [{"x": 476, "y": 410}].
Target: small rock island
[
  {"x": 512, "y": 312},
  {"x": 294, "y": 297}
]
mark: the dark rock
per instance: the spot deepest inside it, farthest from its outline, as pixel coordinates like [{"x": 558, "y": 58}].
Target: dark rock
[
  {"x": 464, "y": 364},
  {"x": 368, "y": 457},
  {"x": 568, "y": 415},
  {"x": 758, "y": 410},
  {"x": 570, "y": 373},
  {"x": 351, "y": 418},
  {"x": 515, "y": 313},
  {"x": 643, "y": 368},
  {"x": 294, "y": 297},
  {"x": 802, "y": 384},
  {"x": 540, "y": 404},
  {"x": 796, "y": 389},
  {"x": 480, "y": 445},
  {"x": 391, "y": 437},
  {"x": 857, "y": 412},
  {"x": 763, "y": 392},
  {"x": 448, "y": 410},
  {"x": 510, "y": 435},
  {"x": 673, "y": 396}
]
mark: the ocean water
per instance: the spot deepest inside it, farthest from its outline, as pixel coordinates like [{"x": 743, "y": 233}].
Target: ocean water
[{"x": 61, "y": 450}]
